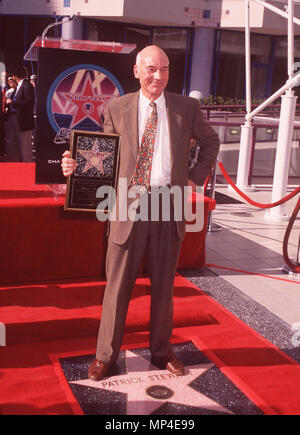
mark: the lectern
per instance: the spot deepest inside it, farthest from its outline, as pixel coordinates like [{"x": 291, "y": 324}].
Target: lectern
[{"x": 76, "y": 79}]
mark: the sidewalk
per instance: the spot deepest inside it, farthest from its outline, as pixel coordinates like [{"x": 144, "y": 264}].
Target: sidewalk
[{"x": 252, "y": 246}]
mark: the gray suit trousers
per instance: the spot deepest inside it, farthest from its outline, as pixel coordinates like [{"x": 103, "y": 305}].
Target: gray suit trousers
[{"x": 161, "y": 242}]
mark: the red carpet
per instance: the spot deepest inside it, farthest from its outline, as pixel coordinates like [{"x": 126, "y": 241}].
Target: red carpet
[
  {"x": 56, "y": 315},
  {"x": 32, "y": 381},
  {"x": 40, "y": 241},
  {"x": 42, "y": 311}
]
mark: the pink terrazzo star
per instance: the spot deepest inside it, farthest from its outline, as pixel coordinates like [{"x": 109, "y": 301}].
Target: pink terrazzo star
[{"x": 148, "y": 388}]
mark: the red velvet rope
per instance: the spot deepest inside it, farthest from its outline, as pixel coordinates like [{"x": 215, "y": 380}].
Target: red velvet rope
[
  {"x": 295, "y": 267},
  {"x": 257, "y": 204},
  {"x": 249, "y": 273}
]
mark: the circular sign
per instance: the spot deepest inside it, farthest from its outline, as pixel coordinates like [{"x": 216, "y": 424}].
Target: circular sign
[{"x": 78, "y": 96}]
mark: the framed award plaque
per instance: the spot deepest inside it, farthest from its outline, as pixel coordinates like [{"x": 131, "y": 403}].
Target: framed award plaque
[{"x": 97, "y": 156}]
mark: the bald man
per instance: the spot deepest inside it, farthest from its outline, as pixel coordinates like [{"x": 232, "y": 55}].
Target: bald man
[{"x": 156, "y": 128}]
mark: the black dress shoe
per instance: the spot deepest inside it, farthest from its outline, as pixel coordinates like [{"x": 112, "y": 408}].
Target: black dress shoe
[
  {"x": 170, "y": 362},
  {"x": 98, "y": 370}
]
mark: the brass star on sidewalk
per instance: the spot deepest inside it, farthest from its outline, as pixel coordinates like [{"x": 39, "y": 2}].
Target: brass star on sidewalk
[{"x": 94, "y": 157}]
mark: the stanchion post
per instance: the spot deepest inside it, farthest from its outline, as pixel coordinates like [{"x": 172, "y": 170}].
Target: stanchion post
[
  {"x": 285, "y": 132},
  {"x": 58, "y": 190},
  {"x": 211, "y": 227},
  {"x": 287, "y": 269},
  {"x": 252, "y": 155},
  {"x": 245, "y": 157},
  {"x": 283, "y": 156},
  {"x": 2, "y": 334}
]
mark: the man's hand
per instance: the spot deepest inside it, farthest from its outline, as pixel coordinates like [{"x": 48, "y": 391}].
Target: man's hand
[{"x": 68, "y": 165}]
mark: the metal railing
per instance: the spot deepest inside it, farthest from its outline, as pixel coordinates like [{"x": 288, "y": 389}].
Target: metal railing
[
  {"x": 240, "y": 110},
  {"x": 256, "y": 126}
]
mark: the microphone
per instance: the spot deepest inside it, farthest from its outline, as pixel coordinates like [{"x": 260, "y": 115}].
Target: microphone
[{"x": 57, "y": 23}]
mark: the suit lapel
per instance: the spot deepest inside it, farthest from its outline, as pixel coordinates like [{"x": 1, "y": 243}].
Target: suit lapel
[
  {"x": 18, "y": 93},
  {"x": 175, "y": 116},
  {"x": 130, "y": 118}
]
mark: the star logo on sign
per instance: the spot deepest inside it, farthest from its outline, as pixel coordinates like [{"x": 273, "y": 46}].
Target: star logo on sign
[
  {"x": 87, "y": 104},
  {"x": 148, "y": 388},
  {"x": 94, "y": 157}
]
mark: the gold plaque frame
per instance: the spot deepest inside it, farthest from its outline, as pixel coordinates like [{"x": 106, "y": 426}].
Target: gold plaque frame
[{"x": 97, "y": 158}]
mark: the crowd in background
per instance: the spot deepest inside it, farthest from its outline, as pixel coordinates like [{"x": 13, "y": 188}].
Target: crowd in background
[{"x": 17, "y": 101}]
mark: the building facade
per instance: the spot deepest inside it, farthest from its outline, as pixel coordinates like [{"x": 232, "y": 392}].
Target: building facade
[{"x": 203, "y": 38}]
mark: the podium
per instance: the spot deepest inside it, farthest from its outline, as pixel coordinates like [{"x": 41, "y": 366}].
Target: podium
[{"x": 76, "y": 79}]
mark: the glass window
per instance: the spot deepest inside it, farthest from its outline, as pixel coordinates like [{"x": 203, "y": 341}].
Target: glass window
[
  {"x": 282, "y": 46},
  {"x": 93, "y": 32},
  {"x": 231, "y": 77},
  {"x": 280, "y": 70},
  {"x": 170, "y": 38},
  {"x": 260, "y": 48},
  {"x": 109, "y": 32},
  {"x": 258, "y": 83},
  {"x": 139, "y": 36},
  {"x": 232, "y": 42},
  {"x": 231, "y": 65},
  {"x": 174, "y": 42}
]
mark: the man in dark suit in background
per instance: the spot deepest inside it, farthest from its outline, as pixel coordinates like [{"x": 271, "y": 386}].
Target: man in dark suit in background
[
  {"x": 22, "y": 103},
  {"x": 165, "y": 123},
  {"x": 3, "y": 89}
]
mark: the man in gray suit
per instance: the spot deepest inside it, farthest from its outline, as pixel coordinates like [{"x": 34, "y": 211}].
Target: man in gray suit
[{"x": 155, "y": 144}]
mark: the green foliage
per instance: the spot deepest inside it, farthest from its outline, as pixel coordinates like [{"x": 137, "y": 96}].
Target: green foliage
[{"x": 228, "y": 101}]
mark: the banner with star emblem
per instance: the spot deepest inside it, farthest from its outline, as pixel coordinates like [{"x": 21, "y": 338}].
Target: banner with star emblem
[
  {"x": 96, "y": 155},
  {"x": 72, "y": 91}
]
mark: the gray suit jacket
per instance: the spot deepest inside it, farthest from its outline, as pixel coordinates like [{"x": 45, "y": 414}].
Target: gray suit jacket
[{"x": 186, "y": 121}]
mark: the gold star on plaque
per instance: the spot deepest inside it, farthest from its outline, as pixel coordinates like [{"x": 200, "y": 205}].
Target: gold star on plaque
[{"x": 94, "y": 157}]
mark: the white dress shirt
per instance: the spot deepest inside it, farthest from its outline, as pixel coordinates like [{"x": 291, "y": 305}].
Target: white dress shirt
[
  {"x": 19, "y": 85},
  {"x": 161, "y": 163}
]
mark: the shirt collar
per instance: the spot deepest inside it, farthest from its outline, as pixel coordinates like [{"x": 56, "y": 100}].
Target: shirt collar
[{"x": 144, "y": 101}]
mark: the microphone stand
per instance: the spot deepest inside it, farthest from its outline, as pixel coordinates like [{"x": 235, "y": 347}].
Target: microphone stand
[{"x": 57, "y": 23}]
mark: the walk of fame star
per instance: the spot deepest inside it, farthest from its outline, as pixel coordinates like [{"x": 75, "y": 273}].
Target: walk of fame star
[
  {"x": 87, "y": 103},
  {"x": 94, "y": 157},
  {"x": 148, "y": 388}
]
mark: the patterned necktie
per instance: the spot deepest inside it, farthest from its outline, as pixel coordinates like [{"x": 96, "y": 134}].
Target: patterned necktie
[{"x": 142, "y": 172}]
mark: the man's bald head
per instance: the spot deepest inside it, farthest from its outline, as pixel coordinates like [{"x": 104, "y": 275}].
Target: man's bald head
[{"x": 148, "y": 51}]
